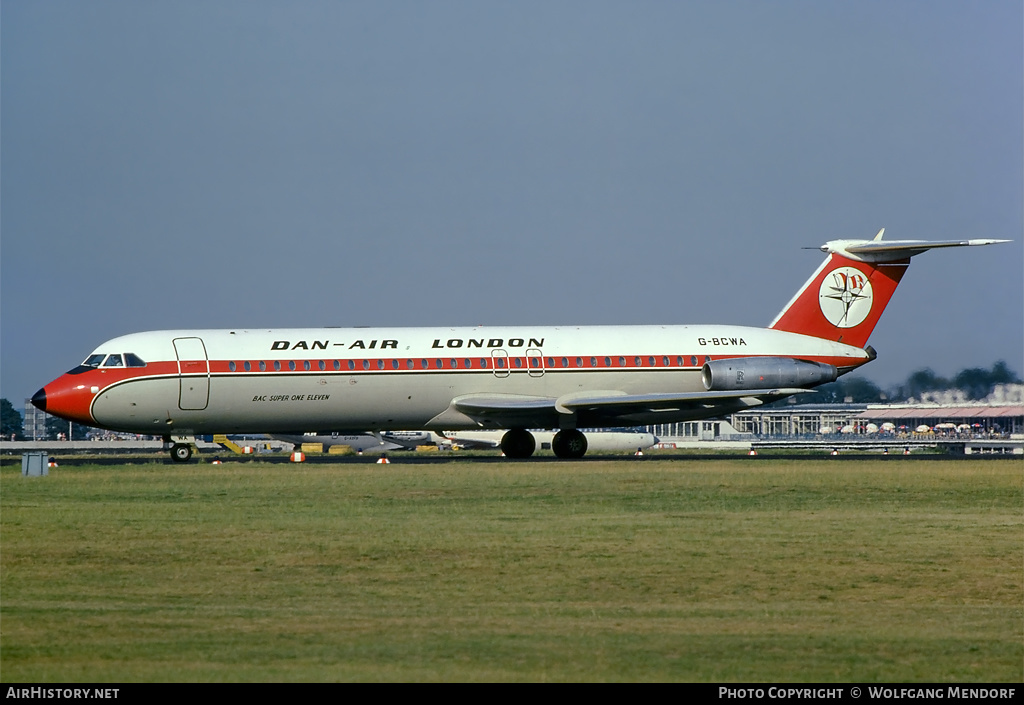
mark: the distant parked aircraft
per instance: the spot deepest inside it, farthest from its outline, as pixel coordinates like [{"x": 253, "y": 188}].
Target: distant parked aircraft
[{"x": 359, "y": 442}]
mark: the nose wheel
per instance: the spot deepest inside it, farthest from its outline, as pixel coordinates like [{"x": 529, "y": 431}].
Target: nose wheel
[{"x": 180, "y": 447}]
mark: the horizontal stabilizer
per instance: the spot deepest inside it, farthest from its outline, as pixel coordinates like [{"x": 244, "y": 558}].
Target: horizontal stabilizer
[{"x": 879, "y": 250}]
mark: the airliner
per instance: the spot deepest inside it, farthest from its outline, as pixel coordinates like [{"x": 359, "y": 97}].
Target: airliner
[{"x": 181, "y": 383}]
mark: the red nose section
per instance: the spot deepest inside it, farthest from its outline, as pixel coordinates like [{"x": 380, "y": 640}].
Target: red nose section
[{"x": 68, "y": 397}]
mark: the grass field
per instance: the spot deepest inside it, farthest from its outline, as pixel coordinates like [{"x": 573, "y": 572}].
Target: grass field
[{"x": 710, "y": 570}]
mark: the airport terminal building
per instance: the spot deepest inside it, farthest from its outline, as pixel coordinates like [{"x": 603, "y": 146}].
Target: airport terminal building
[{"x": 825, "y": 420}]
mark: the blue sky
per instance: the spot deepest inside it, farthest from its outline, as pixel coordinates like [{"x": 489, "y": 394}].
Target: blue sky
[{"x": 267, "y": 164}]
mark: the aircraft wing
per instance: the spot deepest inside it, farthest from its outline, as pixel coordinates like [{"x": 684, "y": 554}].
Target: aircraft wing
[
  {"x": 508, "y": 410},
  {"x": 608, "y": 407}
]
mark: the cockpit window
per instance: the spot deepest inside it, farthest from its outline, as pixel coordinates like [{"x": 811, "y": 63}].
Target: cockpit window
[
  {"x": 114, "y": 361},
  {"x": 133, "y": 360},
  {"x": 94, "y": 361}
]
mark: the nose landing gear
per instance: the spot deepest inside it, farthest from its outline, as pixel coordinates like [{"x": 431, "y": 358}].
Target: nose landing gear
[{"x": 180, "y": 447}]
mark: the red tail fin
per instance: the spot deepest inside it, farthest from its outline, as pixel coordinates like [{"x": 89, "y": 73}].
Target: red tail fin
[{"x": 844, "y": 299}]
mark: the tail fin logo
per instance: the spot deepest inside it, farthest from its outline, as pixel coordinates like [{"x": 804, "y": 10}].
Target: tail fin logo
[{"x": 845, "y": 297}]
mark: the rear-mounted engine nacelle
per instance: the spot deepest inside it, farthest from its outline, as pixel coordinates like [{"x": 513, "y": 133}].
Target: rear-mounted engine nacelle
[{"x": 764, "y": 373}]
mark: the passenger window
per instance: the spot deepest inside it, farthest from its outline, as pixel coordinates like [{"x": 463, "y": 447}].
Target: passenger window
[
  {"x": 247, "y": 366},
  {"x": 322, "y": 365},
  {"x": 277, "y": 365},
  {"x": 263, "y": 366},
  {"x": 337, "y": 364},
  {"x": 351, "y": 365},
  {"x": 305, "y": 365},
  {"x": 231, "y": 366},
  {"x": 291, "y": 365},
  {"x": 579, "y": 362}
]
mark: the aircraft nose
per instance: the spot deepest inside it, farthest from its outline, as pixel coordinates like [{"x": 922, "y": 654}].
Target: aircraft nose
[{"x": 66, "y": 397}]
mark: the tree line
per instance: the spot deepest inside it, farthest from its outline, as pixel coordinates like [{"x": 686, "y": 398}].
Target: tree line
[
  {"x": 12, "y": 426},
  {"x": 975, "y": 383}
]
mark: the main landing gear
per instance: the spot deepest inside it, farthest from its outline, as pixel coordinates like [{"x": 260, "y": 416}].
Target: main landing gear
[
  {"x": 518, "y": 443},
  {"x": 567, "y": 443}
]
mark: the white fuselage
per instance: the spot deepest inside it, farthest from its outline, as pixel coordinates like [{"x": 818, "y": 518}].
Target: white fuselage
[{"x": 296, "y": 380}]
